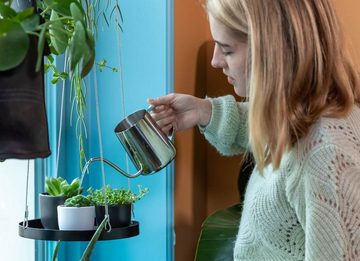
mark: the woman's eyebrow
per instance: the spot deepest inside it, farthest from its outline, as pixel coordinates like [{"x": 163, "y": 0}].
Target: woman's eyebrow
[{"x": 222, "y": 44}]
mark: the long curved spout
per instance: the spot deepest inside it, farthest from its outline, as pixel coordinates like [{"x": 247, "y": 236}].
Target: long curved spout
[{"x": 111, "y": 165}]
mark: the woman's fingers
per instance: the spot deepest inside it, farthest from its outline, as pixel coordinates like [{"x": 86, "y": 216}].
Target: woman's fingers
[
  {"x": 167, "y": 129},
  {"x": 166, "y": 121},
  {"x": 162, "y": 100},
  {"x": 159, "y": 114}
]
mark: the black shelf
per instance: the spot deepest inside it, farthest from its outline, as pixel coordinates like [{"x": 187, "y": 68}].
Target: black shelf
[{"x": 35, "y": 230}]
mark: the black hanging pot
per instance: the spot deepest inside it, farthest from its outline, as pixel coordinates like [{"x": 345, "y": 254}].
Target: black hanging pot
[
  {"x": 23, "y": 122},
  {"x": 120, "y": 215},
  {"x": 48, "y": 210}
]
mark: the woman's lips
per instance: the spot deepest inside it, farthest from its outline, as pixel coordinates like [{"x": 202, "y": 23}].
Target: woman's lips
[{"x": 230, "y": 80}]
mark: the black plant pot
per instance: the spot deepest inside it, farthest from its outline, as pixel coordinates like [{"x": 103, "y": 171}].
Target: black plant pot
[
  {"x": 120, "y": 215},
  {"x": 48, "y": 210}
]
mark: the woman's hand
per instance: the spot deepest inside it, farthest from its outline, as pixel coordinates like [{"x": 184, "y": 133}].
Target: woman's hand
[{"x": 180, "y": 111}]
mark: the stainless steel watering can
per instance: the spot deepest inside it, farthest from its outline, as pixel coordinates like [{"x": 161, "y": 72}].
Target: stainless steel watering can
[{"x": 148, "y": 147}]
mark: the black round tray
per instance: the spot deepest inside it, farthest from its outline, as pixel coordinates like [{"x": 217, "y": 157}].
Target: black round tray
[{"x": 35, "y": 230}]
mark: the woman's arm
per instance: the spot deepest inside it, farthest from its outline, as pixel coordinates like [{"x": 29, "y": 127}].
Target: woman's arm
[
  {"x": 222, "y": 120},
  {"x": 227, "y": 130}
]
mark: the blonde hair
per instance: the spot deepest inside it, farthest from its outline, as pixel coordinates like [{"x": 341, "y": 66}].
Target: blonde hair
[{"x": 298, "y": 71}]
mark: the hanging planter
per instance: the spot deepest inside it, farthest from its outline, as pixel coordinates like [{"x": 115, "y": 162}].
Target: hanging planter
[
  {"x": 23, "y": 122},
  {"x": 24, "y": 35}
]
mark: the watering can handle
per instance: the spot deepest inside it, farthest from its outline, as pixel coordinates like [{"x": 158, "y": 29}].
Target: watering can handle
[
  {"x": 111, "y": 165},
  {"x": 171, "y": 136}
]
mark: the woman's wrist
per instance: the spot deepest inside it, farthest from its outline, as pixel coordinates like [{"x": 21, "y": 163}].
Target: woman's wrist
[{"x": 205, "y": 108}]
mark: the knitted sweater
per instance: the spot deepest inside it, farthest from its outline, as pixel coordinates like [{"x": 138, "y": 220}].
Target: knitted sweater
[{"x": 308, "y": 209}]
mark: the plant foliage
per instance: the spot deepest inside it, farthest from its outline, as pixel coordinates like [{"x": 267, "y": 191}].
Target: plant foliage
[
  {"x": 218, "y": 235},
  {"x": 60, "y": 187},
  {"x": 61, "y": 25},
  {"x": 78, "y": 201},
  {"x": 115, "y": 196}
]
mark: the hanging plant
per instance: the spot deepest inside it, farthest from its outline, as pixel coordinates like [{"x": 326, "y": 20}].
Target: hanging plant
[
  {"x": 28, "y": 31},
  {"x": 60, "y": 27}
]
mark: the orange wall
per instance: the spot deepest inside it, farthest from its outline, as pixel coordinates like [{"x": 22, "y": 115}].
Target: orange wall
[
  {"x": 201, "y": 175},
  {"x": 190, "y": 32},
  {"x": 348, "y": 12}
]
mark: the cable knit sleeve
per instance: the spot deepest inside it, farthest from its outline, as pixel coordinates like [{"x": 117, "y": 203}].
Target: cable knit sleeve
[
  {"x": 325, "y": 193},
  {"x": 227, "y": 130}
]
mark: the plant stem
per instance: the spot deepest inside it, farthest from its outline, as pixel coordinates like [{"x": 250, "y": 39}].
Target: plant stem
[
  {"x": 56, "y": 250},
  {"x": 88, "y": 251}
]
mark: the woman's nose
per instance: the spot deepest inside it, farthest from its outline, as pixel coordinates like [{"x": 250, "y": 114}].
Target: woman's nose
[{"x": 217, "y": 60}]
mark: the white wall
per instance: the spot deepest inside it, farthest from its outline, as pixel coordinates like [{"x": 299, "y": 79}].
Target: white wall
[{"x": 12, "y": 206}]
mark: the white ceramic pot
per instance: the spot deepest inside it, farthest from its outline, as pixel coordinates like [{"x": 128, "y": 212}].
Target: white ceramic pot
[{"x": 76, "y": 218}]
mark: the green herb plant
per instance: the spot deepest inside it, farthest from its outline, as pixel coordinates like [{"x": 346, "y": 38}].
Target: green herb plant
[
  {"x": 60, "y": 187},
  {"x": 115, "y": 196}
]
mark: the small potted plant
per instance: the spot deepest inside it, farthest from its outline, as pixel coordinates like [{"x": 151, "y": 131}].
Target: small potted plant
[
  {"x": 119, "y": 202},
  {"x": 57, "y": 191},
  {"x": 77, "y": 213}
]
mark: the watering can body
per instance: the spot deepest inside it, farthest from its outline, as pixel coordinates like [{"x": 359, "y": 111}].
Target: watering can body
[{"x": 148, "y": 147}]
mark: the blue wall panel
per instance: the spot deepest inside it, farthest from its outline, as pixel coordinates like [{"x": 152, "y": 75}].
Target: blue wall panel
[{"x": 143, "y": 53}]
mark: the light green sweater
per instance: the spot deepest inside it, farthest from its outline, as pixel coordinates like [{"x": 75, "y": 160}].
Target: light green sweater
[{"x": 309, "y": 209}]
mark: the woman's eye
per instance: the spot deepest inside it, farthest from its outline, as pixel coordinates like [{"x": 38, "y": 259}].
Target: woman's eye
[{"x": 226, "y": 53}]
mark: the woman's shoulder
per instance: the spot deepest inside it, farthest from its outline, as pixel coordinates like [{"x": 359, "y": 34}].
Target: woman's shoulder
[
  {"x": 343, "y": 133},
  {"x": 328, "y": 156}
]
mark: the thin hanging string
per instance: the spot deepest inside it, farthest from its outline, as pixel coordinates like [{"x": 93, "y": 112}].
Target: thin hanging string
[
  {"x": 61, "y": 121},
  {"x": 122, "y": 91},
  {"x": 108, "y": 226},
  {"x": 26, "y": 212}
]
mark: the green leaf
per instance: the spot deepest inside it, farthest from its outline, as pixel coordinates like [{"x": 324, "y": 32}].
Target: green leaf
[
  {"x": 76, "y": 46},
  {"x": 60, "y": 6},
  {"x": 51, "y": 186},
  {"x": 74, "y": 187},
  {"x": 24, "y": 14},
  {"x": 57, "y": 185},
  {"x": 58, "y": 36},
  {"x": 77, "y": 12},
  {"x": 56, "y": 250},
  {"x": 14, "y": 44},
  {"x": 30, "y": 23},
  {"x": 218, "y": 235},
  {"x": 6, "y": 11},
  {"x": 64, "y": 75},
  {"x": 78, "y": 201},
  {"x": 50, "y": 58},
  {"x": 89, "y": 55},
  {"x": 91, "y": 245},
  {"x": 40, "y": 49},
  {"x": 54, "y": 80}
]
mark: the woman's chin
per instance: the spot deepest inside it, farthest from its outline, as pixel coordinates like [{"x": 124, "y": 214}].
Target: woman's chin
[{"x": 240, "y": 92}]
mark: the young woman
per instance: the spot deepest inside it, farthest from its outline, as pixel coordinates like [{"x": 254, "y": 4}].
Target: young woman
[{"x": 301, "y": 122}]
